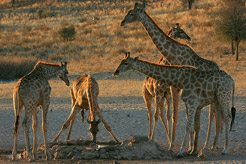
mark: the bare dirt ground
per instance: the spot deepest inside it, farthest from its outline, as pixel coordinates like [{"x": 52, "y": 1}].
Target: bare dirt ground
[{"x": 127, "y": 116}]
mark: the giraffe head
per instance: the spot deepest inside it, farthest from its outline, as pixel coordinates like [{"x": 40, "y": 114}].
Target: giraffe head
[
  {"x": 63, "y": 73},
  {"x": 94, "y": 129},
  {"x": 126, "y": 64},
  {"x": 177, "y": 32},
  {"x": 133, "y": 14}
]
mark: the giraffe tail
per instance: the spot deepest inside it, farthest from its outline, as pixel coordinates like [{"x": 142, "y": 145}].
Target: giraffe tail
[
  {"x": 16, "y": 102},
  {"x": 233, "y": 109},
  {"x": 90, "y": 100}
]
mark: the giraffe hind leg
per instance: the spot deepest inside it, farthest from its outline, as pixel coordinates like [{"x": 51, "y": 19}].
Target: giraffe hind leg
[
  {"x": 16, "y": 130},
  {"x": 26, "y": 126},
  {"x": 106, "y": 126},
  {"x": 147, "y": 99},
  {"x": 35, "y": 127}
]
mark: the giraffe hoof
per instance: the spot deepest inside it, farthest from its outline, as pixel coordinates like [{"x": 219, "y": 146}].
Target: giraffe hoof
[
  {"x": 223, "y": 153},
  {"x": 31, "y": 160},
  {"x": 179, "y": 155},
  {"x": 194, "y": 152}
]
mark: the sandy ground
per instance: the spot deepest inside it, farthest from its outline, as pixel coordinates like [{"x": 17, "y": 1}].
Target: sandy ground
[{"x": 127, "y": 116}]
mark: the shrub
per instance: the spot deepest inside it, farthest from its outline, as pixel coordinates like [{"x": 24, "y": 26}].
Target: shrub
[
  {"x": 43, "y": 13},
  {"x": 67, "y": 33}
]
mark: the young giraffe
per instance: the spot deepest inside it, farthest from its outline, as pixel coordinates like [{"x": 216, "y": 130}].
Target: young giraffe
[
  {"x": 177, "y": 32},
  {"x": 200, "y": 88},
  {"x": 158, "y": 90},
  {"x": 31, "y": 91},
  {"x": 84, "y": 97},
  {"x": 176, "y": 53}
]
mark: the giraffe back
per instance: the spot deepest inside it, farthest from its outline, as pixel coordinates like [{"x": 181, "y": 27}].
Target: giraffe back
[{"x": 85, "y": 89}]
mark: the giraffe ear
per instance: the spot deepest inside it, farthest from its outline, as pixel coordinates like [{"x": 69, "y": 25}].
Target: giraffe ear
[
  {"x": 127, "y": 54},
  {"x": 136, "y": 5}
]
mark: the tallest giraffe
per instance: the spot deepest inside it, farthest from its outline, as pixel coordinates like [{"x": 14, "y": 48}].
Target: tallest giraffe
[{"x": 175, "y": 52}]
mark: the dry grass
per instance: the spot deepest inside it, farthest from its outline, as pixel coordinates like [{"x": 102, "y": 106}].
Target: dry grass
[{"x": 100, "y": 41}]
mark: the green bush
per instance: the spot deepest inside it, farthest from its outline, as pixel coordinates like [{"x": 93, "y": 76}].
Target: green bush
[
  {"x": 67, "y": 33},
  {"x": 43, "y": 13}
]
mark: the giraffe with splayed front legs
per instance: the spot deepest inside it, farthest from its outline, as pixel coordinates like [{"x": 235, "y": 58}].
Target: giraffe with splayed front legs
[
  {"x": 176, "y": 53},
  {"x": 200, "y": 88},
  {"x": 158, "y": 90},
  {"x": 177, "y": 32},
  {"x": 30, "y": 92},
  {"x": 84, "y": 97}
]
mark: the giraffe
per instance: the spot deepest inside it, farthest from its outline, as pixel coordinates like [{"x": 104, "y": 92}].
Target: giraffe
[
  {"x": 200, "y": 88},
  {"x": 176, "y": 53},
  {"x": 84, "y": 97},
  {"x": 158, "y": 90},
  {"x": 31, "y": 91},
  {"x": 177, "y": 32}
]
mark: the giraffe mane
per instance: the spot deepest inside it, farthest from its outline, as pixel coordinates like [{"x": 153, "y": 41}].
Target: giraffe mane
[
  {"x": 92, "y": 101},
  {"x": 45, "y": 63},
  {"x": 166, "y": 34},
  {"x": 169, "y": 66}
]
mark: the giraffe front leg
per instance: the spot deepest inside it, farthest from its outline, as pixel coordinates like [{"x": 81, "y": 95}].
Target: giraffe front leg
[
  {"x": 161, "y": 115},
  {"x": 147, "y": 99},
  {"x": 44, "y": 128},
  {"x": 175, "y": 95},
  {"x": 73, "y": 113},
  {"x": 70, "y": 128},
  {"x": 106, "y": 126},
  {"x": 156, "y": 115}
]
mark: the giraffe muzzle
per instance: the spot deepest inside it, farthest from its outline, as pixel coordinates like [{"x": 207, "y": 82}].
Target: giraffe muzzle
[{"x": 116, "y": 73}]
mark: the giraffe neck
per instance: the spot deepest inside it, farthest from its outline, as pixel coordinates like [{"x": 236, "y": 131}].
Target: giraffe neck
[
  {"x": 171, "y": 75},
  {"x": 47, "y": 71},
  {"x": 170, "y": 48}
]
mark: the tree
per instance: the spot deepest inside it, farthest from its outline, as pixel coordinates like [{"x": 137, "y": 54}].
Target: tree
[
  {"x": 189, "y": 2},
  {"x": 231, "y": 25}
]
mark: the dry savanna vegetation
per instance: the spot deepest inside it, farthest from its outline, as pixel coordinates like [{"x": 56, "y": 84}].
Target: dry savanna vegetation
[
  {"x": 87, "y": 34},
  {"x": 30, "y": 32}
]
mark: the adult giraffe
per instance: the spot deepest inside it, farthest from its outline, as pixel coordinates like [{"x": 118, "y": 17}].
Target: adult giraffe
[
  {"x": 175, "y": 52},
  {"x": 31, "y": 91},
  {"x": 200, "y": 88}
]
